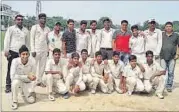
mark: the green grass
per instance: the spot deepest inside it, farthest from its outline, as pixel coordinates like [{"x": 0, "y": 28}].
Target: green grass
[{"x": 2, "y": 40}]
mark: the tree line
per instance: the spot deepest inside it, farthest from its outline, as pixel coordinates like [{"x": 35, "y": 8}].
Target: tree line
[{"x": 31, "y": 20}]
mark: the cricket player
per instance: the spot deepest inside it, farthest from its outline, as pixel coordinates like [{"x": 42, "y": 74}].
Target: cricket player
[
  {"x": 39, "y": 47},
  {"x": 86, "y": 67},
  {"x": 116, "y": 67},
  {"x": 133, "y": 76},
  {"x": 53, "y": 76},
  {"x": 83, "y": 39},
  {"x": 55, "y": 39},
  {"x": 100, "y": 73},
  {"x": 73, "y": 75},
  {"x": 154, "y": 75},
  {"x": 137, "y": 44},
  {"x": 153, "y": 39},
  {"x": 23, "y": 71},
  {"x": 16, "y": 36},
  {"x": 95, "y": 35}
]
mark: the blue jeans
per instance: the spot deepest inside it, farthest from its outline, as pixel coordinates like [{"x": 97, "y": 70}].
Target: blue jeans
[
  {"x": 124, "y": 57},
  {"x": 169, "y": 66}
]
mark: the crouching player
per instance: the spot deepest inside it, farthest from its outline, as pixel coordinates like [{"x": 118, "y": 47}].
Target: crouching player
[
  {"x": 154, "y": 75},
  {"x": 53, "y": 76},
  {"x": 116, "y": 67},
  {"x": 132, "y": 76},
  {"x": 23, "y": 71},
  {"x": 73, "y": 75},
  {"x": 100, "y": 73}
]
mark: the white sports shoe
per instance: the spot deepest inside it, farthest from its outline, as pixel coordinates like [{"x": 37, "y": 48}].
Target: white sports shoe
[
  {"x": 160, "y": 96},
  {"x": 93, "y": 91},
  {"x": 129, "y": 93},
  {"x": 51, "y": 97},
  {"x": 14, "y": 105},
  {"x": 119, "y": 91}
]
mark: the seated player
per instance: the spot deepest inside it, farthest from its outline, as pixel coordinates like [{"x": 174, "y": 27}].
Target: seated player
[
  {"x": 100, "y": 73},
  {"x": 154, "y": 75},
  {"x": 23, "y": 71},
  {"x": 86, "y": 66},
  {"x": 73, "y": 75},
  {"x": 116, "y": 67},
  {"x": 132, "y": 76},
  {"x": 53, "y": 76}
]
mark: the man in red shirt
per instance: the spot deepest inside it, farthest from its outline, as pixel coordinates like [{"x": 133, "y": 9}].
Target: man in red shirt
[{"x": 121, "y": 41}]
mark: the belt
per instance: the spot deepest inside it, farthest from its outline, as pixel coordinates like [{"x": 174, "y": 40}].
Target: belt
[{"x": 107, "y": 48}]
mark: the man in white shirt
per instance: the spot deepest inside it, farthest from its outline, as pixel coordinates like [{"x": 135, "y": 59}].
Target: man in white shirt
[
  {"x": 73, "y": 75},
  {"x": 105, "y": 40},
  {"x": 137, "y": 44},
  {"x": 94, "y": 38},
  {"x": 133, "y": 76},
  {"x": 101, "y": 75},
  {"x": 154, "y": 75},
  {"x": 16, "y": 36},
  {"x": 55, "y": 39},
  {"x": 153, "y": 39},
  {"x": 86, "y": 68},
  {"x": 83, "y": 39},
  {"x": 39, "y": 47},
  {"x": 116, "y": 67},
  {"x": 23, "y": 76},
  {"x": 53, "y": 76}
]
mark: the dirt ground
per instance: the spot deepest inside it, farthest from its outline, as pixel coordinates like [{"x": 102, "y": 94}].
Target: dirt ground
[{"x": 98, "y": 102}]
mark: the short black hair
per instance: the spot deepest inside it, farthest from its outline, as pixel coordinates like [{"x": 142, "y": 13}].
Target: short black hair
[
  {"x": 124, "y": 21},
  {"x": 19, "y": 15},
  {"x": 84, "y": 50},
  {"x": 58, "y": 23},
  {"x": 149, "y": 52},
  {"x": 83, "y": 22},
  {"x": 107, "y": 19},
  {"x": 169, "y": 23},
  {"x": 98, "y": 53},
  {"x": 116, "y": 53},
  {"x": 93, "y": 21},
  {"x": 132, "y": 57},
  {"x": 75, "y": 54},
  {"x": 23, "y": 48},
  {"x": 134, "y": 27},
  {"x": 56, "y": 50},
  {"x": 42, "y": 15},
  {"x": 70, "y": 21}
]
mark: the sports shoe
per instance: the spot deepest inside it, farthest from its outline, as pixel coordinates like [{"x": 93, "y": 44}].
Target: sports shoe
[
  {"x": 14, "y": 105},
  {"x": 66, "y": 95},
  {"x": 51, "y": 97},
  {"x": 160, "y": 96},
  {"x": 129, "y": 93},
  {"x": 169, "y": 89},
  {"x": 93, "y": 91},
  {"x": 119, "y": 91}
]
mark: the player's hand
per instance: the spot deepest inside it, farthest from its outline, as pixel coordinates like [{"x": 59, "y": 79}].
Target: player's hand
[
  {"x": 76, "y": 89},
  {"x": 31, "y": 77},
  {"x": 6, "y": 53},
  {"x": 105, "y": 62}
]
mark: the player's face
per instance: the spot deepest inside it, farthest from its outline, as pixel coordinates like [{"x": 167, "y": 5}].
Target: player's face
[
  {"x": 149, "y": 58},
  {"x": 56, "y": 56},
  {"x": 116, "y": 58},
  {"x": 99, "y": 58},
  {"x": 75, "y": 60},
  {"x": 24, "y": 56},
  {"x": 133, "y": 63},
  {"x": 84, "y": 55},
  {"x": 93, "y": 26},
  {"x": 135, "y": 32}
]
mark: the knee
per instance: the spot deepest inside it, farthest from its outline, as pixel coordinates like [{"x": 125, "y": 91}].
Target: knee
[
  {"x": 132, "y": 81},
  {"x": 82, "y": 86}
]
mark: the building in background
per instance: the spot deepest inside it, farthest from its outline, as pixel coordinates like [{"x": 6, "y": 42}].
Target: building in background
[{"x": 6, "y": 14}]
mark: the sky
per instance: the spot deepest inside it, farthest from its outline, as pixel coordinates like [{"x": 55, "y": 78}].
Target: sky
[{"x": 133, "y": 11}]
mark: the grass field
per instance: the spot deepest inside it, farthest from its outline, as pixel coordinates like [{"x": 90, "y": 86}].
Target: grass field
[{"x": 2, "y": 40}]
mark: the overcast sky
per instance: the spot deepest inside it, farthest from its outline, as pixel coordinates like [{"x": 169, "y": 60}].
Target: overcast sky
[{"x": 133, "y": 11}]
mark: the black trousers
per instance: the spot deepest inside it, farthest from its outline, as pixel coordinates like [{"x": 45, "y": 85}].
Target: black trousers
[
  {"x": 107, "y": 53},
  {"x": 10, "y": 57}
]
